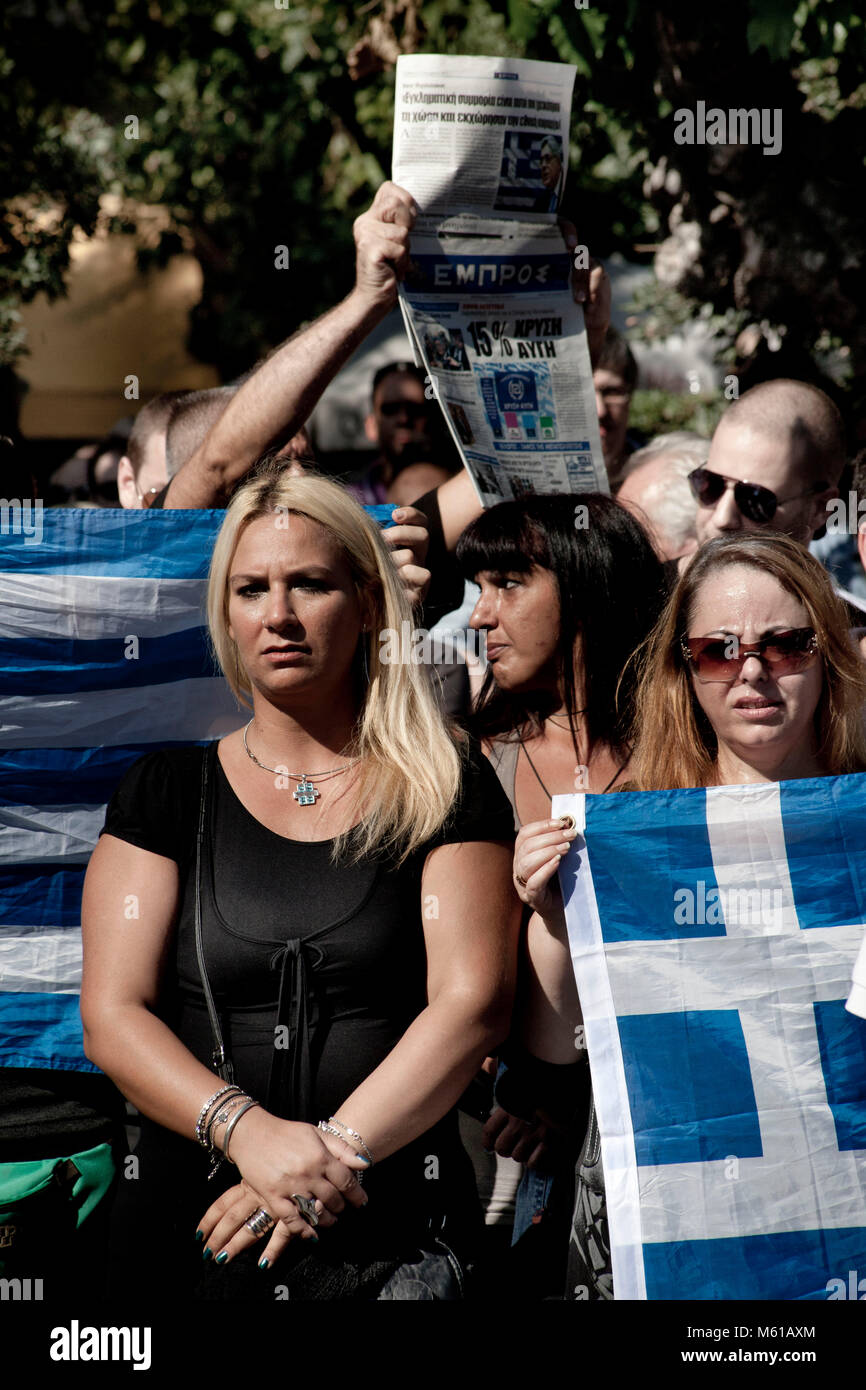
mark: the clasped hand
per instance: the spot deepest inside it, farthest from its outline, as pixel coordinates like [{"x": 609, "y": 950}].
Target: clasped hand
[
  {"x": 278, "y": 1159},
  {"x": 538, "y": 849}
]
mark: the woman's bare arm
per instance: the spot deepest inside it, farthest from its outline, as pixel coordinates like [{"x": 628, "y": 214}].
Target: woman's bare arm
[{"x": 471, "y": 973}]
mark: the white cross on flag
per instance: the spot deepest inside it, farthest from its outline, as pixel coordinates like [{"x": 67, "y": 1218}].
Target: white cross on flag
[{"x": 713, "y": 934}]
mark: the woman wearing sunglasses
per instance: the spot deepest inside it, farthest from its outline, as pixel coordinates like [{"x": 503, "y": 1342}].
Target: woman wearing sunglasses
[{"x": 750, "y": 675}]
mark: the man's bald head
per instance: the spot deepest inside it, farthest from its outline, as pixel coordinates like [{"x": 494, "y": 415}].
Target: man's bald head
[
  {"x": 786, "y": 436},
  {"x": 801, "y": 416}
]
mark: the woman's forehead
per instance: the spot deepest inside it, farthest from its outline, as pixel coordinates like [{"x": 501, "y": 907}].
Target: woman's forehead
[
  {"x": 743, "y": 592},
  {"x": 289, "y": 538}
]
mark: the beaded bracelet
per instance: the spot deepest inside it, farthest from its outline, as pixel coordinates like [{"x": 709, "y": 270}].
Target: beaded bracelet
[
  {"x": 329, "y": 1129},
  {"x": 205, "y": 1110},
  {"x": 354, "y": 1133}
]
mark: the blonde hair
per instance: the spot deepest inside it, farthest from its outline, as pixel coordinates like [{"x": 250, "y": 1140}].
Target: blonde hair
[
  {"x": 676, "y": 745},
  {"x": 411, "y": 766}
]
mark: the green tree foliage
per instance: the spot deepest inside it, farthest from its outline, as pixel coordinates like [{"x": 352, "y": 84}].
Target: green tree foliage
[{"x": 264, "y": 123}]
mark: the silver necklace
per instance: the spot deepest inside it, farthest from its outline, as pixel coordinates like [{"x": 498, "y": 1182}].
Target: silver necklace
[{"x": 305, "y": 792}]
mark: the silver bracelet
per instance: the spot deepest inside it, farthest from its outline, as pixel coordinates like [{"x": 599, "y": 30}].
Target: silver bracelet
[
  {"x": 205, "y": 1110},
  {"x": 329, "y": 1129},
  {"x": 231, "y": 1124},
  {"x": 354, "y": 1133},
  {"x": 222, "y": 1113}
]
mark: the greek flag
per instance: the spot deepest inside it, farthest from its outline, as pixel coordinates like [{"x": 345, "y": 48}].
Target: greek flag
[
  {"x": 103, "y": 656},
  {"x": 713, "y": 934}
]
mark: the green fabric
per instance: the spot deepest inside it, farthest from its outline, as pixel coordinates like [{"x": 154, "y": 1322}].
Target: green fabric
[{"x": 21, "y": 1180}]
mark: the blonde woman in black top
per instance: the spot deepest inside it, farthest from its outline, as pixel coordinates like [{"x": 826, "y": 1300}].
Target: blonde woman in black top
[{"x": 358, "y": 935}]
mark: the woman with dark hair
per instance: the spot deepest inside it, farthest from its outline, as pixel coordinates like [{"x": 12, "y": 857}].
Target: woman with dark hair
[
  {"x": 578, "y": 576},
  {"x": 570, "y": 587}
]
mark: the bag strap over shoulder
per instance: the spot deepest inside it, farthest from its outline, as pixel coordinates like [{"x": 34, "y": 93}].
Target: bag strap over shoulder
[{"x": 221, "y": 1063}]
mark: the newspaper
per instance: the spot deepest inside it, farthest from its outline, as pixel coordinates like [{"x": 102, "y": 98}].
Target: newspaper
[{"x": 482, "y": 146}]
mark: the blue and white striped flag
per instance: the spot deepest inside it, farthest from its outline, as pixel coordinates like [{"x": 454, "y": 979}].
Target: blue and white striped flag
[
  {"x": 103, "y": 656},
  {"x": 713, "y": 934}
]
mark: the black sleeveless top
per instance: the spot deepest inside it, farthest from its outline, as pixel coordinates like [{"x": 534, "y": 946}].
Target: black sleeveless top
[{"x": 317, "y": 969}]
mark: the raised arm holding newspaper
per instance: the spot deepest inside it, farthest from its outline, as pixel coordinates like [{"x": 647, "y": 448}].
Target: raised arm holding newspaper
[
  {"x": 276, "y": 400},
  {"x": 551, "y": 370}
]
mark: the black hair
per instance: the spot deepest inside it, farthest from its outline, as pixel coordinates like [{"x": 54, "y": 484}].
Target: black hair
[
  {"x": 617, "y": 356},
  {"x": 406, "y": 369},
  {"x": 611, "y": 591}
]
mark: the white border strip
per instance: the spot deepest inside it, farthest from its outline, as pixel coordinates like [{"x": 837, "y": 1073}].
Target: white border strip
[{"x": 605, "y": 1058}]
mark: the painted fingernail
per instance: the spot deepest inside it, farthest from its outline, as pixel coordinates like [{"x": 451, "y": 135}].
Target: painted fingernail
[
  {"x": 221, "y": 1258},
  {"x": 364, "y": 1159},
  {"x": 206, "y": 1253},
  {"x": 314, "y": 1239},
  {"x": 199, "y": 1235},
  {"x": 263, "y": 1264}
]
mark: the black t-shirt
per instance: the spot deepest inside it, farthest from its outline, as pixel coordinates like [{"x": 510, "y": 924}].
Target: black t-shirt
[
  {"x": 317, "y": 969},
  {"x": 363, "y": 922}
]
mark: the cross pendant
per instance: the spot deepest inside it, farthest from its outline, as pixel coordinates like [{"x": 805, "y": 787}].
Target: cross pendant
[{"x": 305, "y": 793}]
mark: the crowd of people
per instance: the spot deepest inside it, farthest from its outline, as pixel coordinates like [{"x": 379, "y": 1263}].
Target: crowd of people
[{"x": 350, "y": 984}]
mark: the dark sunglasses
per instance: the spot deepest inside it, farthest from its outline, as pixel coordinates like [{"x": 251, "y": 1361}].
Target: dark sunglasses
[
  {"x": 415, "y": 410},
  {"x": 723, "y": 658},
  {"x": 756, "y": 503}
]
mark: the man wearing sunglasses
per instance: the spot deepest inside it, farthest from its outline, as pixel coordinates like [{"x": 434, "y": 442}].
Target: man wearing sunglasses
[
  {"x": 775, "y": 461},
  {"x": 402, "y": 424}
]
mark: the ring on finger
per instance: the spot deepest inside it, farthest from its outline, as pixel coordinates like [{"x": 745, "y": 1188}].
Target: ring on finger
[
  {"x": 307, "y": 1208},
  {"x": 260, "y": 1222}
]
